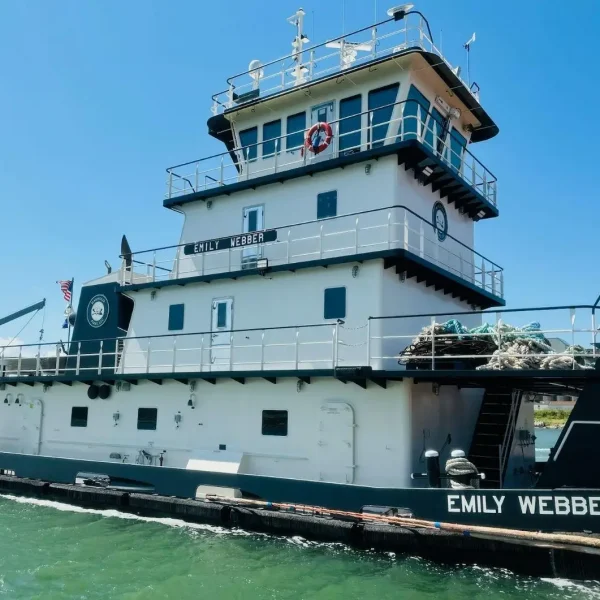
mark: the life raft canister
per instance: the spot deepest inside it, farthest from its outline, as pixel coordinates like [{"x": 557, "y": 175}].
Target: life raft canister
[{"x": 318, "y": 137}]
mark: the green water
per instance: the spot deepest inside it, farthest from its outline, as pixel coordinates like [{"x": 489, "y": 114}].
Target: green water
[{"x": 51, "y": 551}]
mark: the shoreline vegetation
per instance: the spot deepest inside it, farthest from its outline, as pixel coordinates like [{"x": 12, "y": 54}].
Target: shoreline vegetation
[{"x": 551, "y": 418}]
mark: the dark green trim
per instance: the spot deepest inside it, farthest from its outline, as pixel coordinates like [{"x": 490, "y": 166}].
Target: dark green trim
[
  {"x": 410, "y": 153},
  {"x": 404, "y": 260}
]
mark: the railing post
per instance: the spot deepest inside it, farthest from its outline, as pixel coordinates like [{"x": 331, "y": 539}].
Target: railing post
[
  {"x": 170, "y": 184},
  {"x": 432, "y": 343},
  {"x": 177, "y": 264},
  {"x": 422, "y": 240},
  {"x": 473, "y": 171},
  {"x": 18, "y": 360},
  {"x": 482, "y": 274},
  {"x": 311, "y": 68},
  {"x": 356, "y": 237},
  {"x": 297, "y": 345},
  {"x": 78, "y": 360},
  {"x": 230, "y": 96},
  {"x": 148, "y": 356},
  {"x": 100, "y": 352},
  {"x": 57, "y": 359},
  {"x": 202, "y": 263},
  {"x": 368, "y": 342},
  {"x": 321, "y": 242},
  {"x": 196, "y": 175},
  {"x": 501, "y": 284},
  {"x": 485, "y": 190},
  {"x": 493, "y": 274},
  {"x": 334, "y": 346},
  {"x": 201, "y": 353},
  {"x": 276, "y": 153},
  {"x": 174, "y": 354},
  {"x": 573, "y": 311},
  {"x": 153, "y": 266},
  {"x": 231, "y": 351},
  {"x": 289, "y": 236},
  {"x": 262, "y": 351},
  {"x": 222, "y": 175},
  {"x": 38, "y": 365}
]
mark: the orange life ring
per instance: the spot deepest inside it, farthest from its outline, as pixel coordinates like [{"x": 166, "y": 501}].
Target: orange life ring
[{"x": 318, "y": 137}]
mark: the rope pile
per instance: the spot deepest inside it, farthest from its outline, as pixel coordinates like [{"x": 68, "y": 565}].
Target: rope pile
[
  {"x": 460, "y": 469},
  {"x": 500, "y": 347}
]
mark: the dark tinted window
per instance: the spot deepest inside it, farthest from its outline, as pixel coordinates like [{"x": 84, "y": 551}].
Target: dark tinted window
[
  {"x": 222, "y": 314},
  {"x": 416, "y": 106},
  {"x": 176, "y": 317},
  {"x": 335, "y": 303},
  {"x": 326, "y": 205},
  {"x": 147, "y": 418},
  {"x": 458, "y": 143},
  {"x": 248, "y": 139},
  {"x": 79, "y": 416},
  {"x": 380, "y": 112},
  {"x": 349, "y": 135},
  {"x": 271, "y": 131},
  {"x": 296, "y": 125},
  {"x": 274, "y": 422}
]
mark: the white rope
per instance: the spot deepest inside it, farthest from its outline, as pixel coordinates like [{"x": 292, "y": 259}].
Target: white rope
[{"x": 459, "y": 467}]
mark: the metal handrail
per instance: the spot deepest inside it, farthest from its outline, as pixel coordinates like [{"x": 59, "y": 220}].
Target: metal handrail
[
  {"x": 337, "y": 217},
  {"x": 424, "y": 123},
  {"x": 412, "y": 35}
]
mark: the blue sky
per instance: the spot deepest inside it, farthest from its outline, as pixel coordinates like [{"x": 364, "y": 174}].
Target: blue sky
[{"x": 99, "y": 97}]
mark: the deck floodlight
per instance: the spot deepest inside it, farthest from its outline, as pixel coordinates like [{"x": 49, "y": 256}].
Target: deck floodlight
[{"x": 399, "y": 12}]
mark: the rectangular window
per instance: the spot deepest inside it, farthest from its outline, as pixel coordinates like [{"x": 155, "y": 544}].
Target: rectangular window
[
  {"x": 437, "y": 131},
  {"x": 381, "y": 106},
  {"x": 147, "y": 418},
  {"x": 222, "y": 315},
  {"x": 248, "y": 139},
  {"x": 296, "y": 125},
  {"x": 176, "y": 317},
  {"x": 271, "y": 133},
  {"x": 79, "y": 416},
  {"x": 335, "y": 303},
  {"x": 458, "y": 143},
  {"x": 327, "y": 205},
  {"x": 416, "y": 106},
  {"x": 275, "y": 422},
  {"x": 350, "y": 120}
]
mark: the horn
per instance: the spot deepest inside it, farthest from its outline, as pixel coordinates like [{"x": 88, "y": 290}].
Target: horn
[{"x": 126, "y": 252}]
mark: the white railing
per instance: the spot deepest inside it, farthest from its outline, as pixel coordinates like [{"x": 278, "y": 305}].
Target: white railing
[
  {"x": 379, "y": 343},
  {"x": 392, "y": 228},
  {"x": 409, "y": 121},
  {"x": 385, "y": 39}
]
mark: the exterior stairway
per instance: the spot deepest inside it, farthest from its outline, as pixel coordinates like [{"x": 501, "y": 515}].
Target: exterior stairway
[{"x": 494, "y": 434}]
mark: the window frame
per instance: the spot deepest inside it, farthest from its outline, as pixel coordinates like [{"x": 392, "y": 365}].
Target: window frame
[
  {"x": 146, "y": 420},
  {"x": 348, "y": 120},
  {"x": 289, "y": 134},
  {"x": 267, "y": 142},
  {"x": 75, "y": 420},
  {"x": 322, "y": 195},
  {"x": 250, "y": 150},
  {"x": 374, "y": 126},
  {"x": 273, "y": 430},
  {"x": 175, "y": 319},
  {"x": 325, "y": 307}
]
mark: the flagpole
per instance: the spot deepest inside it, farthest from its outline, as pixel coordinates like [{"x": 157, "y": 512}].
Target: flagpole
[{"x": 69, "y": 316}]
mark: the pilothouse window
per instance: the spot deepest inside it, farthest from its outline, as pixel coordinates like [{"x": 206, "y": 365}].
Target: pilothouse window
[
  {"x": 296, "y": 125},
  {"x": 248, "y": 140},
  {"x": 349, "y": 130},
  {"x": 381, "y": 107},
  {"x": 271, "y": 135}
]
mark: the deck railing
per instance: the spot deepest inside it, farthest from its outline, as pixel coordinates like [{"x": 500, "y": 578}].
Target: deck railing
[
  {"x": 394, "y": 227},
  {"x": 378, "y": 41},
  {"x": 409, "y": 121},
  {"x": 380, "y": 343}
]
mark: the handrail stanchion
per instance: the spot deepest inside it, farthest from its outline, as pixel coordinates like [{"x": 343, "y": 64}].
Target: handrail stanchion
[
  {"x": 100, "y": 352},
  {"x": 433, "y": 343},
  {"x": 153, "y": 266},
  {"x": 57, "y": 359},
  {"x": 231, "y": 351},
  {"x": 174, "y": 354},
  {"x": 368, "y": 342},
  {"x": 572, "y": 315},
  {"x": 38, "y": 360},
  {"x": 201, "y": 353},
  {"x": 321, "y": 242},
  {"x": 406, "y": 229},
  {"x": 276, "y": 153},
  {"x": 148, "y": 356},
  {"x": 297, "y": 346},
  {"x": 170, "y": 184},
  {"x": 356, "y": 237},
  {"x": 334, "y": 343},
  {"x": 196, "y": 175},
  {"x": 18, "y": 360},
  {"x": 222, "y": 175},
  {"x": 594, "y": 334},
  {"x": 262, "y": 351},
  {"x": 177, "y": 264},
  {"x": 78, "y": 359},
  {"x": 289, "y": 236},
  {"x": 422, "y": 240}
]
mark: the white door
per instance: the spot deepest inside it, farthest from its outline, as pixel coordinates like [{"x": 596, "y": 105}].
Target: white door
[
  {"x": 220, "y": 339},
  {"x": 323, "y": 113},
  {"x": 31, "y": 428},
  {"x": 253, "y": 221},
  {"x": 336, "y": 442}
]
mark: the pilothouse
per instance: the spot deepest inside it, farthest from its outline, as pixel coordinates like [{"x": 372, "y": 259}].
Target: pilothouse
[{"x": 325, "y": 316}]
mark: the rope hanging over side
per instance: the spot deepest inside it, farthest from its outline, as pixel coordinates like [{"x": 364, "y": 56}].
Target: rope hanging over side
[{"x": 462, "y": 473}]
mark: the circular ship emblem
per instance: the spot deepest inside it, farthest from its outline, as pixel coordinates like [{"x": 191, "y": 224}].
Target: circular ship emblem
[
  {"x": 97, "y": 311},
  {"x": 440, "y": 221}
]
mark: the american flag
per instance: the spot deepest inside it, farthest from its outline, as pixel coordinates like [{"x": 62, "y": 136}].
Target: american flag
[{"x": 66, "y": 287}]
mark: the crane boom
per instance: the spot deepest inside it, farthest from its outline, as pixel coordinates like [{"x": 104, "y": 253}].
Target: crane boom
[{"x": 23, "y": 311}]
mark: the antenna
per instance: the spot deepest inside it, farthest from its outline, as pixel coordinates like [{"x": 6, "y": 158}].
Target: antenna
[
  {"x": 256, "y": 72},
  {"x": 297, "y": 20},
  {"x": 349, "y": 50},
  {"x": 467, "y": 47}
]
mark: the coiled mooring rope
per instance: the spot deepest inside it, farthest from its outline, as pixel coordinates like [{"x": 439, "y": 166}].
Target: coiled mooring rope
[{"x": 463, "y": 473}]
